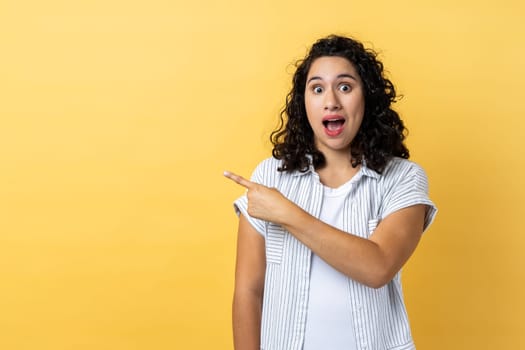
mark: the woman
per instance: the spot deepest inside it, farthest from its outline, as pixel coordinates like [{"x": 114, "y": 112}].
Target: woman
[{"x": 328, "y": 222}]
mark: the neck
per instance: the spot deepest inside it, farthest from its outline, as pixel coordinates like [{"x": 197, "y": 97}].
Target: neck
[{"x": 337, "y": 170}]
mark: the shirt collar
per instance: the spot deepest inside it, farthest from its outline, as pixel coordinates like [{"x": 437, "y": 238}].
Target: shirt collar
[{"x": 369, "y": 172}]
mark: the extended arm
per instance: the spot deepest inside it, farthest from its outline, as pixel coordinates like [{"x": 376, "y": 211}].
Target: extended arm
[
  {"x": 372, "y": 262},
  {"x": 249, "y": 284}
]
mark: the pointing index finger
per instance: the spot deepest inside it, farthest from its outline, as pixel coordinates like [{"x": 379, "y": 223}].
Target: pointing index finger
[{"x": 239, "y": 179}]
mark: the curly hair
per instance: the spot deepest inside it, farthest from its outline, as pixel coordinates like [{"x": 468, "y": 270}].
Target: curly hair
[{"x": 382, "y": 132}]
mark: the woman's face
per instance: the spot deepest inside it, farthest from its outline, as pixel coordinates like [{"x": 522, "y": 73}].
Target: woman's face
[{"x": 335, "y": 103}]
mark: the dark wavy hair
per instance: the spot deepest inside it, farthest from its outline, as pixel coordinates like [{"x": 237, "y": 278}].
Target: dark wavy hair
[{"x": 382, "y": 132}]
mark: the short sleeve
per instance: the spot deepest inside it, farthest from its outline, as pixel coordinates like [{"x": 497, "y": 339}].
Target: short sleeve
[
  {"x": 410, "y": 189},
  {"x": 241, "y": 207},
  {"x": 241, "y": 204}
]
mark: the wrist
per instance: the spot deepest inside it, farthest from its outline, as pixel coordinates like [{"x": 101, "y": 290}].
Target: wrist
[{"x": 291, "y": 215}]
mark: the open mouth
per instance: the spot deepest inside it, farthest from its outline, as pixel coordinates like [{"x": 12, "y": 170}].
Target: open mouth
[{"x": 334, "y": 124}]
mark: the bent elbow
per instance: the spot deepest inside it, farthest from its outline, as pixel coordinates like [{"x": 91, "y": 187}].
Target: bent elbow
[
  {"x": 379, "y": 279},
  {"x": 377, "y": 284}
]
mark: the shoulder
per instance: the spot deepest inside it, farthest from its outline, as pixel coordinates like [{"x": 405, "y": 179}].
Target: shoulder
[
  {"x": 268, "y": 166},
  {"x": 267, "y": 171},
  {"x": 400, "y": 167},
  {"x": 404, "y": 183},
  {"x": 403, "y": 172},
  {"x": 269, "y": 163}
]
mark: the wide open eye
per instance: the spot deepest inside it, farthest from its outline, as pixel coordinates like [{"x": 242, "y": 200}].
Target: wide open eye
[
  {"x": 317, "y": 89},
  {"x": 345, "y": 88}
]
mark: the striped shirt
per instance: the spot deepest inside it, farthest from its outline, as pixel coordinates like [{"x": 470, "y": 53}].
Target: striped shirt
[{"x": 379, "y": 315}]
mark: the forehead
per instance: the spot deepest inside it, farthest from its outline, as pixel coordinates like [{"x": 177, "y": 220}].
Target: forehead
[{"x": 331, "y": 66}]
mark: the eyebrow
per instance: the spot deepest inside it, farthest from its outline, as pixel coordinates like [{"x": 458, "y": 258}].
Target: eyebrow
[{"x": 338, "y": 77}]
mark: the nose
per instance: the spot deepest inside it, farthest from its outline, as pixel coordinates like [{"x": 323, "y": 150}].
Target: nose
[{"x": 331, "y": 102}]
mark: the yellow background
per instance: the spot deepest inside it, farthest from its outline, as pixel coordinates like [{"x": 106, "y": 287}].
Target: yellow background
[{"x": 118, "y": 118}]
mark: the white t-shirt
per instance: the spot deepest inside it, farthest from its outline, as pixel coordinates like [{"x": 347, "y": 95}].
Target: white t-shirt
[{"x": 329, "y": 316}]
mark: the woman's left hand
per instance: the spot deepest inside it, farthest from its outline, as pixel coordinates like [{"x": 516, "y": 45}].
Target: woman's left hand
[{"x": 264, "y": 203}]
